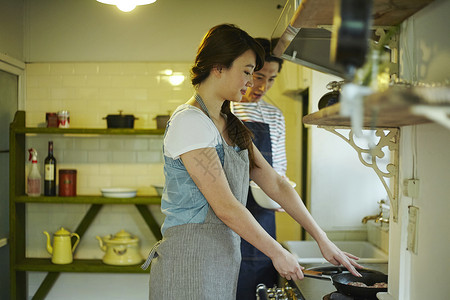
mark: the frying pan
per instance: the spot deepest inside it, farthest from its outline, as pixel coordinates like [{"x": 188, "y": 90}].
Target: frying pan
[{"x": 341, "y": 280}]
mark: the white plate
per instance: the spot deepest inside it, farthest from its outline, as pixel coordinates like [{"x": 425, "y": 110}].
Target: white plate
[{"x": 119, "y": 192}]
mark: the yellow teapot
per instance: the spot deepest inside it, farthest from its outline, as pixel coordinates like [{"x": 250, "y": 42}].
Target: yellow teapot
[
  {"x": 120, "y": 249},
  {"x": 62, "y": 249}
]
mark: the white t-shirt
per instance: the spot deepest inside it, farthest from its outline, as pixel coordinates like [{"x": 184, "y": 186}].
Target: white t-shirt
[{"x": 189, "y": 129}]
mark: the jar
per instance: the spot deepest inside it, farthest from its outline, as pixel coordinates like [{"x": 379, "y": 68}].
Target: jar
[
  {"x": 63, "y": 119},
  {"x": 67, "y": 182},
  {"x": 51, "y": 119}
]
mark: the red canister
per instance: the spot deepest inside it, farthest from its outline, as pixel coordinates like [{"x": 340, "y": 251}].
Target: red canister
[
  {"x": 52, "y": 119},
  {"x": 67, "y": 182}
]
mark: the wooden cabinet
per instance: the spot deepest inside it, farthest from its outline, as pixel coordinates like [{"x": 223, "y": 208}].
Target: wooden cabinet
[{"x": 19, "y": 263}]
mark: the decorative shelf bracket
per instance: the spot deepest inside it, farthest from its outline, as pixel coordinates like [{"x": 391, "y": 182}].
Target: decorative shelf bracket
[
  {"x": 388, "y": 138},
  {"x": 390, "y": 36}
]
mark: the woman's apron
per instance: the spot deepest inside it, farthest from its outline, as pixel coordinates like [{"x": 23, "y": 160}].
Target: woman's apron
[
  {"x": 201, "y": 261},
  {"x": 256, "y": 267}
]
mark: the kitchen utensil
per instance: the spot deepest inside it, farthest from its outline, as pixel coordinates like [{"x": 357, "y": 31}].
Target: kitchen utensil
[
  {"x": 120, "y": 120},
  {"x": 331, "y": 97},
  {"x": 262, "y": 199},
  {"x": 161, "y": 121},
  {"x": 341, "y": 280},
  {"x": 120, "y": 249},
  {"x": 119, "y": 192},
  {"x": 62, "y": 246}
]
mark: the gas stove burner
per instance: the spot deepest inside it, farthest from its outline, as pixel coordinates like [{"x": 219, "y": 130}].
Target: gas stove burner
[{"x": 288, "y": 292}]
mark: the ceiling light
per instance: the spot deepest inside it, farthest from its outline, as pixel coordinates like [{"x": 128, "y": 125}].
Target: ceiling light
[{"x": 126, "y": 5}]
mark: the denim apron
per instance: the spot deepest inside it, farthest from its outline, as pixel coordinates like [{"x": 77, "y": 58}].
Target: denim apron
[
  {"x": 256, "y": 267},
  {"x": 201, "y": 260}
]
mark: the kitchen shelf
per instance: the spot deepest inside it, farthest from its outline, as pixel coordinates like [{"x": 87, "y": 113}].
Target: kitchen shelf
[
  {"x": 95, "y": 131},
  {"x": 89, "y": 200},
  {"x": 386, "y": 112},
  {"x": 19, "y": 263},
  {"x": 392, "y": 108},
  {"x": 78, "y": 265},
  {"x": 315, "y": 13}
]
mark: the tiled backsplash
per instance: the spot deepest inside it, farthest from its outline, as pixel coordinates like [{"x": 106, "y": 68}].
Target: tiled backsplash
[{"x": 91, "y": 91}]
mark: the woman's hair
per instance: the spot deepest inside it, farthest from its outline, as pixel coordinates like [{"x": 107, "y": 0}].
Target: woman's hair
[{"x": 220, "y": 47}]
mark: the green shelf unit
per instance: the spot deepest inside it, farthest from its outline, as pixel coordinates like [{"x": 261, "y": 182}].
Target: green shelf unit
[
  {"x": 19, "y": 263},
  {"x": 78, "y": 265},
  {"x": 90, "y": 200},
  {"x": 89, "y": 131}
]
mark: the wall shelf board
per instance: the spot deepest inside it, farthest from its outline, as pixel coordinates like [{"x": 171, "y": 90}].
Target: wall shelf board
[
  {"x": 78, "y": 265},
  {"x": 89, "y": 200}
]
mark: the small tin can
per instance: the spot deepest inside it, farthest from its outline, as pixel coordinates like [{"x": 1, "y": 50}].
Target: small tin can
[
  {"x": 63, "y": 119},
  {"x": 67, "y": 182},
  {"x": 51, "y": 119}
]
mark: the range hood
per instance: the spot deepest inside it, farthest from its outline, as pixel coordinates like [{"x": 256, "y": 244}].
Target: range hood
[{"x": 311, "y": 48}]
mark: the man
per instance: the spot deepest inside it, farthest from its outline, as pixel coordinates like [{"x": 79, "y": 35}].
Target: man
[{"x": 268, "y": 126}]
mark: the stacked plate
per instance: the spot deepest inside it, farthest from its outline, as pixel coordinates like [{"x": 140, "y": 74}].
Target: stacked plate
[{"x": 119, "y": 192}]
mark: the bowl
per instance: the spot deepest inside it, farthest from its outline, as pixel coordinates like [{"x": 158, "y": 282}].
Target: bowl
[
  {"x": 119, "y": 192},
  {"x": 262, "y": 199},
  {"x": 159, "y": 188}
]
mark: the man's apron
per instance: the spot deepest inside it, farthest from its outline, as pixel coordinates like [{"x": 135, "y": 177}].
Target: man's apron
[
  {"x": 201, "y": 261},
  {"x": 255, "y": 266}
]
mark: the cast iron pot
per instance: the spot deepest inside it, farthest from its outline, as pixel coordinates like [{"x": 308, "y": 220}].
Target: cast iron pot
[
  {"x": 120, "y": 121},
  {"x": 341, "y": 280}
]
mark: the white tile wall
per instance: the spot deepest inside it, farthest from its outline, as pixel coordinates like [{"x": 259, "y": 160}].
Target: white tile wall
[{"x": 90, "y": 91}]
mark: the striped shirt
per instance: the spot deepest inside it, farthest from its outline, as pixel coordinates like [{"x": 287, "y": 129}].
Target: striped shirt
[{"x": 266, "y": 113}]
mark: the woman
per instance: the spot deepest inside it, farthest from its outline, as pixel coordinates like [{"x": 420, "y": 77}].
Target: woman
[
  {"x": 208, "y": 153},
  {"x": 268, "y": 127}
]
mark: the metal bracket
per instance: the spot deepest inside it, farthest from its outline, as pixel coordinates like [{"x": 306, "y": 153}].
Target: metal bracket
[
  {"x": 389, "y": 139},
  {"x": 390, "y": 38}
]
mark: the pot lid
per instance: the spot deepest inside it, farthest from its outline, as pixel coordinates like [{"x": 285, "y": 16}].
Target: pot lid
[
  {"x": 62, "y": 231},
  {"x": 123, "y": 237}
]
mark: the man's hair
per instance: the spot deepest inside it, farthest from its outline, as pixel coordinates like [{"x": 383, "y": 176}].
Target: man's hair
[{"x": 268, "y": 47}]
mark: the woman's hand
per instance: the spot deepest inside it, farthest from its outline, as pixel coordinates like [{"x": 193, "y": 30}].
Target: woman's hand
[
  {"x": 287, "y": 265},
  {"x": 338, "y": 257}
]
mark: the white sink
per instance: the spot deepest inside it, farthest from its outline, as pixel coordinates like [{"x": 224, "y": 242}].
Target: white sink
[{"x": 308, "y": 251}]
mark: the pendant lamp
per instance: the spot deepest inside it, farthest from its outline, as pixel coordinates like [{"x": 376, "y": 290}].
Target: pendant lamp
[{"x": 127, "y": 5}]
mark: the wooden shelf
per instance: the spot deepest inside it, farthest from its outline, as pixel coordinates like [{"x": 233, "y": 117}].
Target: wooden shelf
[
  {"x": 388, "y": 109},
  {"x": 89, "y": 200},
  {"x": 78, "y": 265},
  {"x": 316, "y": 13},
  {"x": 96, "y": 131},
  {"x": 19, "y": 264}
]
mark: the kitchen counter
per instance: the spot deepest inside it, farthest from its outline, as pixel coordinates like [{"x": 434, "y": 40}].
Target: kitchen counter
[{"x": 315, "y": 289}]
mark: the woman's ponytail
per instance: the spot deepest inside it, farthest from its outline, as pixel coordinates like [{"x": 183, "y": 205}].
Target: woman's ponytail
[{"x": 238, "y": 133}]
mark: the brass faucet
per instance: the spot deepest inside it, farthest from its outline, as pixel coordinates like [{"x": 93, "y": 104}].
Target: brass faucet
[{"x": 378, "y": 217}]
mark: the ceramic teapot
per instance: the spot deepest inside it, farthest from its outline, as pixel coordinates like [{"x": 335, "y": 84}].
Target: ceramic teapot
[
  {"x": 62, "y": 247},
  {"x": 120, "y": 249}
]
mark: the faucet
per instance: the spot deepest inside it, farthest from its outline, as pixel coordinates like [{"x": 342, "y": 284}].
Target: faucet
[{"x": 378, "y": 217}]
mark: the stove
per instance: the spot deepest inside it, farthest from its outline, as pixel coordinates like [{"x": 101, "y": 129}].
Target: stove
[{"x": 312, "y": 288}]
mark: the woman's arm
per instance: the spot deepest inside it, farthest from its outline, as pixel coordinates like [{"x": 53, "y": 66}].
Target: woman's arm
[
  {"x": 281, "y": 191},
  {"x": 204, "y": 167}
]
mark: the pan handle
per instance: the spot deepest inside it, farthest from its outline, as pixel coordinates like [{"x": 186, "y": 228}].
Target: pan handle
[{"x": 316, "y": 274}]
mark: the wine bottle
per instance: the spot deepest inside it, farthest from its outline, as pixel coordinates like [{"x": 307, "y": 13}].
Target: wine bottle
[{"x": 50, "y": 172}]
